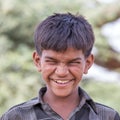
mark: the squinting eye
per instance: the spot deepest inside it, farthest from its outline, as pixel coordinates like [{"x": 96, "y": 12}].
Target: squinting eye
[
  {"x": 50, "y": 62},
  {"x": 74, "y": 63}
]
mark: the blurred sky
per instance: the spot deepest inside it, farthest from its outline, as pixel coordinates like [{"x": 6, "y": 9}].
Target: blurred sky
[
  {"x": 107, "y": 1},
  {"x": 112, "y": 31}
]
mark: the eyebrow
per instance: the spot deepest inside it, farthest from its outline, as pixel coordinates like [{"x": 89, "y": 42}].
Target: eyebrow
[
  {"x": 75, "y": 59},
  {"x": 47, "y": 57}
]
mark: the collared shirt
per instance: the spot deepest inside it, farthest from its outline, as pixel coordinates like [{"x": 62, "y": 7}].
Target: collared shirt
[{"x": 36, "y": 109}]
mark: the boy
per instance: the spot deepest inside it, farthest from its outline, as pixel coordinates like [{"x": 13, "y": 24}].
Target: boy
[{"x": 63, "y": 54}]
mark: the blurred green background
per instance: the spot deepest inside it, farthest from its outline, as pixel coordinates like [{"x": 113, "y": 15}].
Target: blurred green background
[{"x": 19, "y": 79}]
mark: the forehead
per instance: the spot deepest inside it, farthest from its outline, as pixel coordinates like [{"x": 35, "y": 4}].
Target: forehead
[{"x": 68, "y": 54}]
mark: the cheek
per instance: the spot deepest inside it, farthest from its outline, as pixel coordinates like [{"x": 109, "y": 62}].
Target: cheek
[
  {"x": 46, "y": 71},
  {"x": 77, "y": 71}
]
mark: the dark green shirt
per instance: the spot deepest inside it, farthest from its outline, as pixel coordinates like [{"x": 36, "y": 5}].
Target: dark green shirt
[{"x": 36, "y": 109}]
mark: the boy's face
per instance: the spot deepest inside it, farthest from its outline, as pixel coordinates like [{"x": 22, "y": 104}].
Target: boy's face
[{"x": 62, "y": 71}]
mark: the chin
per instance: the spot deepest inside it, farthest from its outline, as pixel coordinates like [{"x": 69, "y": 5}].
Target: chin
[{"x": 62, "y": 93}]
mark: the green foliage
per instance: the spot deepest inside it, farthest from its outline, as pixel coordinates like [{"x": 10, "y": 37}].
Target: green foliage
[{"x": 19, "y": 80}]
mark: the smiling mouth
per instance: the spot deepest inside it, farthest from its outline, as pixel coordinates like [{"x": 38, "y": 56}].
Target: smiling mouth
[{"x": 62, "y": 81}]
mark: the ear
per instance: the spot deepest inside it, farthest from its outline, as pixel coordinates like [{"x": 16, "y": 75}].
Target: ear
[
  {"x": 36, "y": 60},
  {"x": 89, "y": 63}
]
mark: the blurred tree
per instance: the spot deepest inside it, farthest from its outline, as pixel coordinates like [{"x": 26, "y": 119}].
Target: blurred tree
[
  {"x": 107, "y": 56},
  {"x": 18, "y": 19}
]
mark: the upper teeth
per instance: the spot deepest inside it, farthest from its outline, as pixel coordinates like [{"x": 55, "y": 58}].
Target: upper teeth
[{"x": 60, "y": 81}]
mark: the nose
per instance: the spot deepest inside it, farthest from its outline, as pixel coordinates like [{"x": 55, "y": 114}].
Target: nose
[{"x": 62, "y": 70}]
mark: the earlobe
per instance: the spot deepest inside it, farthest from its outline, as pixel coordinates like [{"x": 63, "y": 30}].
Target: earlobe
[
  {"x": 89, "y": 63},
  {"x": 36, "y": 60}
]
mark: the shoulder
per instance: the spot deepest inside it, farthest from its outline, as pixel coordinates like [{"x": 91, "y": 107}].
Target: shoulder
[
  {"x": 21, "y": 110},
  {"x": 102, "y": 111},
  {"x": 103, "y": 108},
  {"x": 107, "y": 112}
]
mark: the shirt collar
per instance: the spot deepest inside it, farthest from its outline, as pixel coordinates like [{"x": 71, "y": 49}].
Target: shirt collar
[
  {"x": 88, "y": 99},
  {"x": 41, "y": 93}
]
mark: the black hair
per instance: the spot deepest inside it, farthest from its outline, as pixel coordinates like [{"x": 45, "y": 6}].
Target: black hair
[{"x": 61, "y": 31}]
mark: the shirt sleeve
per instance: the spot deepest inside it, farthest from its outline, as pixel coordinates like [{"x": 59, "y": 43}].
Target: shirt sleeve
[
  {"x": 10, "y": 115},
  {"x": 3, "y": 118}
]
